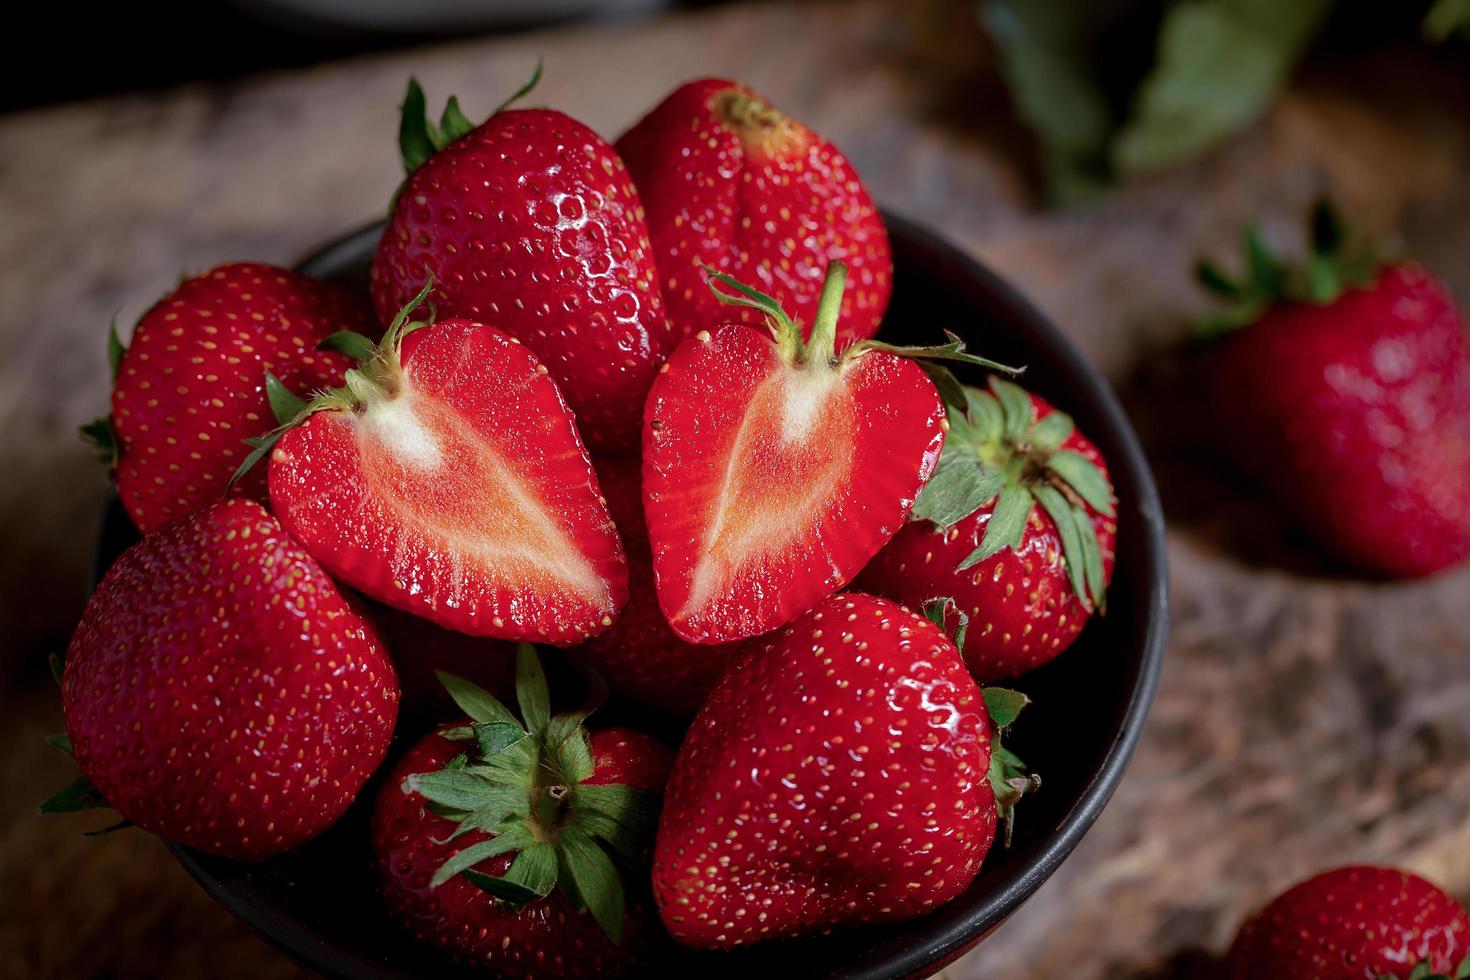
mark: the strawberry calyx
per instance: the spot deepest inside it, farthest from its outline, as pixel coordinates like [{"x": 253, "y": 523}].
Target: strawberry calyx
[
  {"x": 998, "y": 451},
  {"x": 1335, "y": 262},
  {"x": 523, "y": 782},
  {"x": 79, "y": 794},
  {"x": 419, "y": 138},
  {"x": 99, "y": 433},
  {"x": 818, "y": 353},
  {"x": 377, "y": 377},
  {"x": 1009, "y": 776}
]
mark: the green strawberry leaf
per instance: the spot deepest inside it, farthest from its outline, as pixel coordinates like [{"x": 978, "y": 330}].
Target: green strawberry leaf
[
  {"x": 1083, "y": 476},
  {"x": 513, "y": 836},
  {"x": 115, "y": 349},
  {"x": 102, "y": 437},
  {"x": 535, "y": 868},
  {"x": 938, "y": 611},
  {"x": 567, "y": 748},
  {"x": 491, "y": 737},
  {"x": 985, "y": 412},
  {"x": 61, "y": 743},
  {"x": 57, "y": 664},
  {"x": 1445, "y": 18},
  {"x": 628, "y": 806},
  {"x": 285, "y": 403},
  {"x": 351, "y": 343},
  {"x": 453, "y": 124},
  {"x": 523, "y": 91},
  {"x": 953, "y": 349},
  {"x": 458, "y": 789},
  {"x": 1050, "y": 431},
  {"x": 1092, "y": 566},
  {"x": 531, "y": 691},
  {"x": 1004, "y": 705},
  {"x": 1060, "y": 511},
  {"x": 595, "y": 881},
  {"x": 510, "y": 892},
  {"x": 77, "y": 795},
  {"x": 1016, "y": 407},
  {"x": 474, "y": 700},
  {"x": 417, "y": 139},
  {"x": 498, "y": 804},
  {"x": 958, "y": 488},
  {"x": 1006, "y": 526}
]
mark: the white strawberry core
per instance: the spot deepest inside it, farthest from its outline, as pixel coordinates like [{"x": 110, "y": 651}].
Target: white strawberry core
[
  {"x": 790, "y": 458},
  {"x": 454, "y": 494}
]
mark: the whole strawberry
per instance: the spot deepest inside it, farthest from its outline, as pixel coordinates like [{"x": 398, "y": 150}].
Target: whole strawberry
[
  {"x": 529, "y": 223},
  {"x": 774, "y": 469},
  {"x": 446, "y": 478},
  {"x": 1356, "y": 923},
  {"x": 639, "y": 655},
  {"x": 193, "y": 384},
  {"x": 512, "y": 844},
  {"x": 1016, "y": 525},
  {"x": 731, "y": 182},
  {"x": 839, "y": 773},
  {"x": 1345, "y": 389},
  {"x": 220, "y": 691}
]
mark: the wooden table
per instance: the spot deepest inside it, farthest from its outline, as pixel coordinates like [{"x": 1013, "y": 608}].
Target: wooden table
[{"x": 1304, "y": 720}]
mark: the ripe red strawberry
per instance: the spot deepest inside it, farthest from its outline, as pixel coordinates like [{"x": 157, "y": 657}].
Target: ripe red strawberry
[
  {"x": 733, "y": 183},
  {"x": 530, "y": 223},
  {"x": 220, "y": 691},
  {"x": 1345, "y": 389},
  {"x": 447, "y": 479},
  {"x": 1027, "y": 576},
  {"x": 1357, "y": 923},
  {"x": 773, "y": 469},
  {"x": 839, "y": 773},
  {"x": 420, "y": 650},
  {"x": 192, "y": 387},
  {"x": 639, "y": 655},
  {"x": 496, "y": 840}
]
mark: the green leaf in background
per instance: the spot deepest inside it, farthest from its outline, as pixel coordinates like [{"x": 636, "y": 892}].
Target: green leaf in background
[
  {"x": 1220, "y": 62},
  {"x": 1044, "y": 48},
  {"x": 1447, "y": 17}
]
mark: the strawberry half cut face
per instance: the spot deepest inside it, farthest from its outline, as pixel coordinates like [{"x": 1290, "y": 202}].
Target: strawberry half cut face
[
  {"x": 774, "y": 469},
  {"x": 448, "y": 479}
]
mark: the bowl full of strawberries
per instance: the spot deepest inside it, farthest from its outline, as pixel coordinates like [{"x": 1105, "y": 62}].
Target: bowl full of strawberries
[{"x": 628, "y": 558}]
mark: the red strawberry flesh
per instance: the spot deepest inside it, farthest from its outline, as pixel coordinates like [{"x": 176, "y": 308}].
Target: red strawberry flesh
[{"x": 463, "y": 496}]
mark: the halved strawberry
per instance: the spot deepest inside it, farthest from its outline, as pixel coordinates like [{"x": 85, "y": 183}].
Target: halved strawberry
[
  {"x": 774, "y": 469},
  {"x": 447, "y": 479}
]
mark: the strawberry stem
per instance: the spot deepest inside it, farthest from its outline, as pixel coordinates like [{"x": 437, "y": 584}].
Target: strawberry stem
[{"x": 822, "y": 346}]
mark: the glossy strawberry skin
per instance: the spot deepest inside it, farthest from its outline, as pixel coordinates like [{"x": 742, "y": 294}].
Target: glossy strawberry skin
[
  {"x": 547, "y": 938},
  {"x": 1357, "y": 415},
  {"x": 407, "y": 528},
  {"x": 1023, "y": 612},
  {"x": 848, "y": 475},
  {"x": 1354, "y": 923},
  {"x": 836, "y": 775},
  {"x": 771, "y": 215},
  {"x": 191, "y": 387},
  {"x": 639, "y": 655},
  {"x": 531, "y": 224},
  {"x": 220, "y": 691}
]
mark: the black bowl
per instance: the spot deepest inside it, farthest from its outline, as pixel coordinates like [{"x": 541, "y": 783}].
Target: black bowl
[{"x": 318, "y": 903}]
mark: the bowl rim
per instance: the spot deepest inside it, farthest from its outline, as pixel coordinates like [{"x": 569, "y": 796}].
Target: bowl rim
[{"x": 927, "y": 953}]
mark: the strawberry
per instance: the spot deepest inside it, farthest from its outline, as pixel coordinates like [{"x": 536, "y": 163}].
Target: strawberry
[
  {"x": 840, "y": 773},
  {"x": 495, "y": 839},
  {"x": 1028, "y": 576},
  {"x": 774, "y": 469},
  {"x": 1356, "y": 923},
  {"x": 220, "y": 691},
  {"x": 731, "y": 182},
  {"x": 530, "y": 223},
  {"x": 639, "y": 655},
  {"x": 1344, "y": 388},
  {"x": 447, "y": 479},
  {"x": 193, "y": 384},
  {"x": 420, "y": 650}
]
